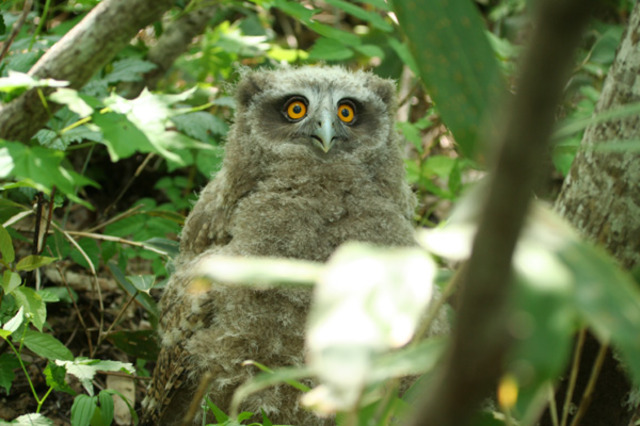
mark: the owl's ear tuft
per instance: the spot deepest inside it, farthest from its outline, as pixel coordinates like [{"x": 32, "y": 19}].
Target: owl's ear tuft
[
  {"x": 249, "y": 86},
  {"x": 385, "y": 89}
]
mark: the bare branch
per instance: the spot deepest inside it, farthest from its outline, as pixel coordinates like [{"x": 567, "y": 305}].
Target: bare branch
[{"x": 78, "y": 56}]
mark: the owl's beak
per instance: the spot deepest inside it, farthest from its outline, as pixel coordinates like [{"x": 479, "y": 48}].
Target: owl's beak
[{"x": 324, "y": 135}]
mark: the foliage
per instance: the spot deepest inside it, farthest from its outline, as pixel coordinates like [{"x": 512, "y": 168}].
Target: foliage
[{"x": 92, "y": 204}]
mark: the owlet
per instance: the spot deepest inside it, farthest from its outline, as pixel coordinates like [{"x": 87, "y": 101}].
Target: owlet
[{"x": 311, "y": 161}]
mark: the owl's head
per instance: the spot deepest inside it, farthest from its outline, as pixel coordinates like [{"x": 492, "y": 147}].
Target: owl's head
[{"x": 320, "y": 111}]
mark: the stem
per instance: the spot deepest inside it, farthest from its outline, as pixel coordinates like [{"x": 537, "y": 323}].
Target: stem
[
  {"x": 573, "y": 376},
  {"x": 115, "y": 321},
  {"x": 41, "y": 402},
  {"x": 24, "y": 368},
  {"x": 43, "y": 19},
  {"x": 587, "y": 396},
  {"x": 76, "y": 124},
  {"x": 16, "y": 29},
  {"x": 553, "y": 409}
]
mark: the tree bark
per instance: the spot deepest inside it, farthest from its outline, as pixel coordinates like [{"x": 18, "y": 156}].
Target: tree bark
[
  {"x": 480, "y": 339},
  {"x": 600, "y": 197},
  {"x": 174, "y": 41},
  {"x": 77, "y": 57}
]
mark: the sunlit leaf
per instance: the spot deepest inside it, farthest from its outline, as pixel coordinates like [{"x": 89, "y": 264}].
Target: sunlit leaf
[
  {"x": 31, "y": 262},
  {"x": 85, "y": 369},
  {"x": 32, "y": 419},
  {"x": 15, "y": 322},
  {"x": 34, "y": 307},
  {"x": 73, "y": 100},
  {"x": 17, "y": 80},
  {"x": 40, "y": 168}
]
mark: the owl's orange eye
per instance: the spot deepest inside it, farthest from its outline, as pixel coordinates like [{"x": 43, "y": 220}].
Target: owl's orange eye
[
  {"x": 346, "y": 112},
  {"x": 296, "y": 109}
]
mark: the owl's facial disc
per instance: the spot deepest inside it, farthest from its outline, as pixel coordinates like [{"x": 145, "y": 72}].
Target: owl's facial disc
[{"x": 324, "y": 135}]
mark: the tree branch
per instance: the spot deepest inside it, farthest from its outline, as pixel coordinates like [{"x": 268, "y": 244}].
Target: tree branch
[
  {"x": 78, "y": 56},
  {"x": 480, "y": 340},
  {"x": 175, "y": 40}
]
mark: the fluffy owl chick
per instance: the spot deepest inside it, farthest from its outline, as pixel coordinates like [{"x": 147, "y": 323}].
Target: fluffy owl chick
[{"x": 311, "y": 161}]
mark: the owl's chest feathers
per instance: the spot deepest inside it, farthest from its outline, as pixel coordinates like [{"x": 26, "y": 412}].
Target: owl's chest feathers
[{"x": 308, "y": 214}]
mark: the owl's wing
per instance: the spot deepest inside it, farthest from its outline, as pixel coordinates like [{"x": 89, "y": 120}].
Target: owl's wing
[
  {"x": 208, "y": 222},
  {"x": 169, "y": 377}
]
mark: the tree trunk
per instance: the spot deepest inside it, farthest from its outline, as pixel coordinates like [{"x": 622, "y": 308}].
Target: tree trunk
[
  {"x": 77, "y": 57},
  {"x": 600, "y": 196},
  {"x": 474, "y": 360}
]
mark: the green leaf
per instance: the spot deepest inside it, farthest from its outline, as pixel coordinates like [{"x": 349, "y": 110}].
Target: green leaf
[
  {"x": 220, "y": 416},
  {"x": 106, "y": 407},
  {"x": 200, "y": 125},
  {"x": 129, "y": 70},
  {"x": 10, "y": 281},
  {"x": 49, "y": 294},
  {"x": 295, "y": 9},
  {"x": 142, "y": 125},
  {"x": 40, "y": 168},
  {"x": 46, "y": 346},
  {"x": 455, "y": 178},
  {"x": 348, "y": 39},
  {"x": 121, "y": 137},
  {"x": 91, "y": 249},
  {"x": 85, "y": 369},
  {"x": 330, "y": 50},
  {"x": 402, "y": 50},
  {"x": 55, "y": 378},
  {"x": 370, "y": 50},
  {"x": 142, "y": 283},
  {"x": 455, "y": 61},
  {"x": 6, "y": 246},
  {"x": 31, "y": 262},
  {"x": 137, "y": 343},
  {"x": 8, "y": 362},
  {"x": 144, "y": 299},
  {"x": 34, "y": 307},
  {"x": 374, "y": 18},
  {"x": 82, "y": 410}
]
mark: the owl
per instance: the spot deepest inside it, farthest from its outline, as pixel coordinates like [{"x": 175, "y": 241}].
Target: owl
[{"x": 312, "y": 161}]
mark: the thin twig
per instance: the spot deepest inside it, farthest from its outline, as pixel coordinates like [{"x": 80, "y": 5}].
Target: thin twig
[
  {"x": 75, "y": 307},
  {"x": 587, "y": 396},
  {"x": 118, "y": 316},
  {"x": 573, "y": 377},
  {"x": 116, "y": 240},
  {"x": 94, "y": 275},
  {"x": 49, "y": 217},
  {"x": 194, "y": 406},
  {"x": 129, "y": 183},
  {"x": 133, "y": 210},
  {"x": 16, "y": 29},
  {"x": 553, "y": 409}
]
